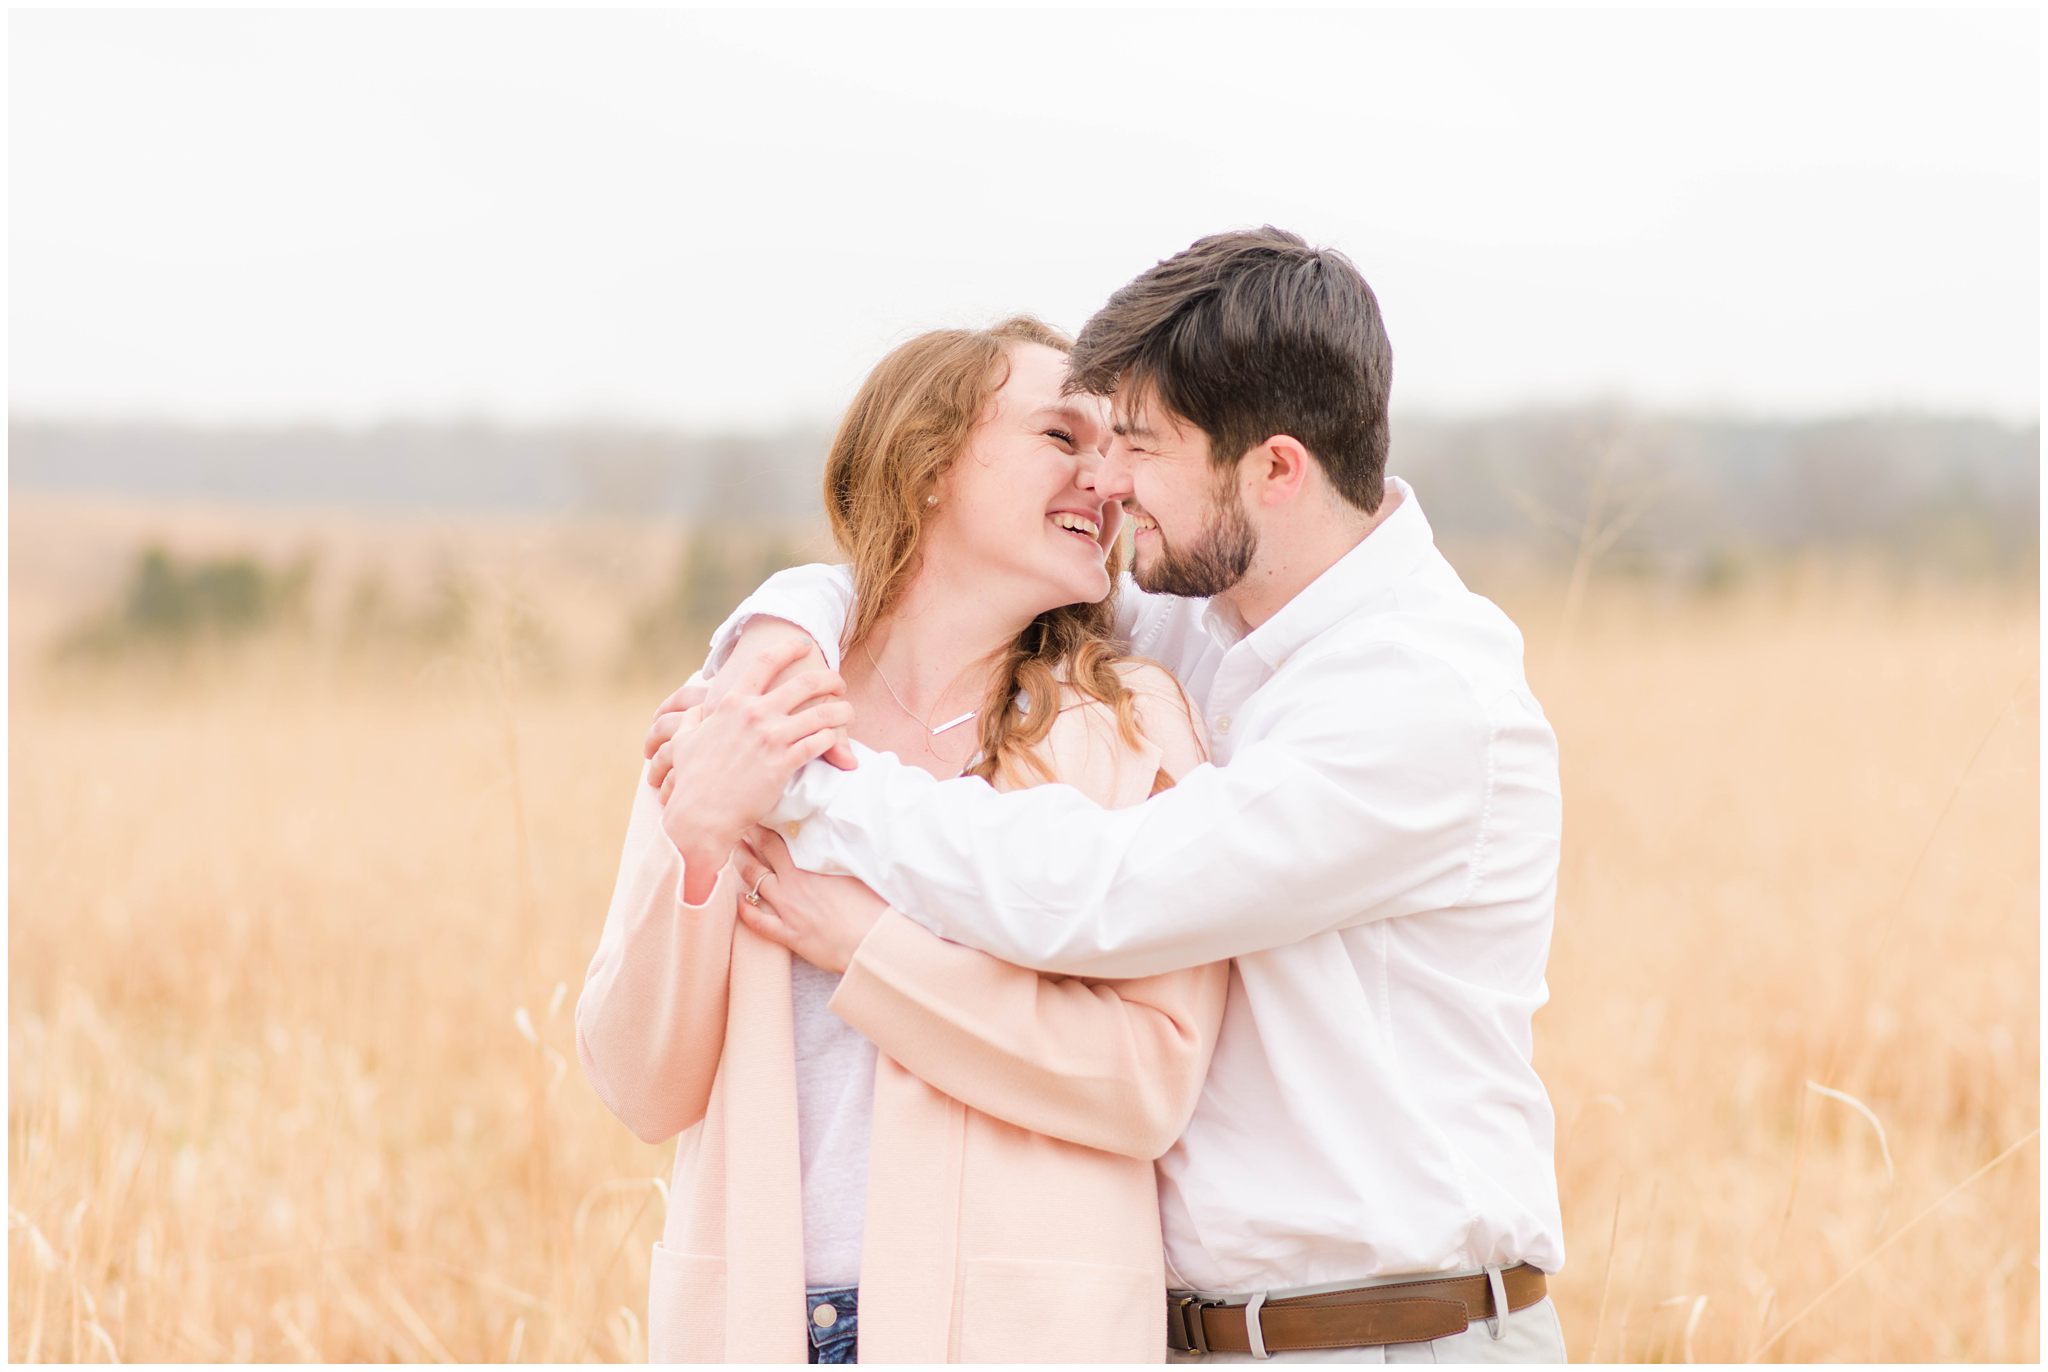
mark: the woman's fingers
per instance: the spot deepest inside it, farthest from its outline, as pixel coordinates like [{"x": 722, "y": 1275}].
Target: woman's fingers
[
  {"x": 673, "y": 727},
  {"x": 802, "y": 689},
  {"x": 658, "y": 733},
  {"x": 804, "y": 749},
  {"x": 833, "y": 714},
  {"x": 686, "y": 696},
  {"x": 765, "y": 922},
  {"x": 767, "y": 846},
  {"x": 760, "y": 915},
  {"x": 690, "y": 693}
]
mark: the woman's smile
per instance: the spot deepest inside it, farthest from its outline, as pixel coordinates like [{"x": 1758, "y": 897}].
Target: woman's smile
[{"x": 1084, "y": 527}]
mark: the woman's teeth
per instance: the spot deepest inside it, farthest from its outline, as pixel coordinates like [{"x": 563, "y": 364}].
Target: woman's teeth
[{"x": 1080, "y": 524}]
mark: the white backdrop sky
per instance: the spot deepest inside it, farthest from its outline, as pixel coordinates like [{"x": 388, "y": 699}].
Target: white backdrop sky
[{"x": 724, "y": 218}]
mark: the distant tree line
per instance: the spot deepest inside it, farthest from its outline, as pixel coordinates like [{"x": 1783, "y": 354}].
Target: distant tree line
[
  {"x": 174, "y": 608},
  {"x": 1704, "y": 502},
  {"x": 1691, "y": 492},
  {"x": 174, "y": 605}
]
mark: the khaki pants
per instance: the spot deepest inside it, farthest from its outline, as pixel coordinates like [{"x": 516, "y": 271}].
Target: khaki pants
[{"x": 1529, "y": 1335}]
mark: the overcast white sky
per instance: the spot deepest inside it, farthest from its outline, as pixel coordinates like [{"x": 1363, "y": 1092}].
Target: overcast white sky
[{"x": 726, "y": 218}]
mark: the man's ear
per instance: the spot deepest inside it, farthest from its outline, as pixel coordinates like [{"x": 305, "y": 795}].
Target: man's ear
[{"x": 1279, "y": 470}]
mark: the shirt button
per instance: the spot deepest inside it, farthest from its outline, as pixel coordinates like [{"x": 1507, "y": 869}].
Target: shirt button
[
  {"x": 1223, "y": 724},
  {"x": 825, "y": 1316},
  {"x": 792, "y": 827}
]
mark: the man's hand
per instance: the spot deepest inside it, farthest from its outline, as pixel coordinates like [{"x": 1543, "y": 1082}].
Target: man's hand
[
  {"x": 822, "y": 919},
  {"x": 728, "y": 770},
  {"x": 761, "y": 634}
]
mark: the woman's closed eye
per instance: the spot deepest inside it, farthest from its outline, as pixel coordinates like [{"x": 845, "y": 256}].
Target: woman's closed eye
[{"x": 1062, "y": 435}]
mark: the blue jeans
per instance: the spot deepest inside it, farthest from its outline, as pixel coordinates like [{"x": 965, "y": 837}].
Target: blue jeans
[{"x": 837, "y": 1337}]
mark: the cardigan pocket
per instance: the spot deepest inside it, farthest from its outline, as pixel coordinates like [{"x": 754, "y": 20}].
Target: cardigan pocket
[
  {"x": 1019, "y": 1310},
  {"x": 685, "y": 1307}
]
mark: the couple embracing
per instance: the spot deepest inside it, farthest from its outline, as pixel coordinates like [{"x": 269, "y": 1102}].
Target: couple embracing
[{"x": 1042, "y": 963}]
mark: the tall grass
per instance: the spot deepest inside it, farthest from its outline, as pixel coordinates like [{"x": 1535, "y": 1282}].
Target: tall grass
[{"x": 294, "y": 947}]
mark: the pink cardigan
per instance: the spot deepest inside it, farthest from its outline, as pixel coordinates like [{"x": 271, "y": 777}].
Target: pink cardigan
[{"x": 1012, "y": 1209}]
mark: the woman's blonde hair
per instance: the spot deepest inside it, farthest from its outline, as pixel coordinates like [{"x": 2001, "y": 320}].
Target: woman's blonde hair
[{"x": 914, "y": 416}]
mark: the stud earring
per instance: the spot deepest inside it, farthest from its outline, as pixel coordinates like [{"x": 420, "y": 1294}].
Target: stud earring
[{"x": 931, "y": 500}]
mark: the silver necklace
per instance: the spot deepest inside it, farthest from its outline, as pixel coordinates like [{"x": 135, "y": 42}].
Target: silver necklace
[{"x": 923, "y": 723}]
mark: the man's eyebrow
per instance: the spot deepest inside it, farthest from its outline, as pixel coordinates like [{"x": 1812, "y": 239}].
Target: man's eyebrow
[{"x": 1130, "y": 428}]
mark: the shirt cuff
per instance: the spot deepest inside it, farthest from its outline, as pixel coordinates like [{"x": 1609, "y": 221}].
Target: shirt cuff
[{"x": 813, "y": 787}]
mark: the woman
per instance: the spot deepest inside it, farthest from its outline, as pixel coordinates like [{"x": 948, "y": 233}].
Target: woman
[{"x": 946, "y": 1153}]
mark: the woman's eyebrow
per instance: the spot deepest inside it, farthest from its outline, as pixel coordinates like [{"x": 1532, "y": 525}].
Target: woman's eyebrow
[{"x": 1069, "y": 415}]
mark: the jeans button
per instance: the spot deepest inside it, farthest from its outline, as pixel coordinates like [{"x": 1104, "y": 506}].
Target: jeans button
[{"x": 825, "y": 1316}]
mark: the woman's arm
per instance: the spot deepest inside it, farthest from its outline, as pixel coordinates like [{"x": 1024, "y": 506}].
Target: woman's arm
[
  {"x": 1111, "y": 1065},
  {"x": 650, "y": 1024}
]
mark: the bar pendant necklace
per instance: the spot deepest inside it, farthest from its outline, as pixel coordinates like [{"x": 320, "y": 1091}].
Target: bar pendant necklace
[{"x": 922, "y": 721}]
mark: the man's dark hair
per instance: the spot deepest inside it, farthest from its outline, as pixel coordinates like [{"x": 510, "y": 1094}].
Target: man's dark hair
[{"x": 1251, "y": 334}]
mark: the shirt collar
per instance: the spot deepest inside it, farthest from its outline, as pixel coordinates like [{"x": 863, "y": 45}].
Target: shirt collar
[{"x": 1381, "y": 558}]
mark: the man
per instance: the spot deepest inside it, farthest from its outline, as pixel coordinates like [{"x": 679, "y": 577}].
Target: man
[{"x": 1369, "y": 1171}]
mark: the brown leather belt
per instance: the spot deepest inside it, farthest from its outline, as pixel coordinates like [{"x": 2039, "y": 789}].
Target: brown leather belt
[{"x": 1403, "y": 1312}]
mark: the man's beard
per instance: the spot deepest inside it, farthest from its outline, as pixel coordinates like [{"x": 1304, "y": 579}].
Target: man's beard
[{"x": 1217, "y": 561}]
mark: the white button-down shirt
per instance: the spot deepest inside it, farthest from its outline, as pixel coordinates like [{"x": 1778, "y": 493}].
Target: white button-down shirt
[{"x": 1375, "y": 844}]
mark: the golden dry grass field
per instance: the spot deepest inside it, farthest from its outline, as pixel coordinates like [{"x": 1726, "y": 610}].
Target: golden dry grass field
[{"x": 295, "y": 939}]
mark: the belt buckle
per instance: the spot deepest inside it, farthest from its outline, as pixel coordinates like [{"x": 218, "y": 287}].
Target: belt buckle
[{"x": 1187, "y": 1312}]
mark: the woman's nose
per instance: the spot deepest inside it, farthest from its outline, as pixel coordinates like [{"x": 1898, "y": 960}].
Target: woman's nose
[{"x": 1103, "y": 476}]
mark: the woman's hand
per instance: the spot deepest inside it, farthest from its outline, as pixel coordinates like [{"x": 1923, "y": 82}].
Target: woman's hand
[
  {"x": 821, "y": 919},
  {"x": 728, "y": 771},
  {"x": 762, "y": 635},
  {"x": 680, "y": 712}
]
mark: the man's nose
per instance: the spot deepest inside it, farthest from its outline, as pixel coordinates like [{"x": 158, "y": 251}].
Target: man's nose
[{"x": 1104, "y": 475}]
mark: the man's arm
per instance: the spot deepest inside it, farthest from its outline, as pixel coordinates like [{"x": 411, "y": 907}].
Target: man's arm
[
  {"x": 1333, "y": 816},
  {"x": 816, "y": 597}
]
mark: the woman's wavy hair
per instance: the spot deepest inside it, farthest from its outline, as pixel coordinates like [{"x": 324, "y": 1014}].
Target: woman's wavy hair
[{"x": 913, "y": 418}]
